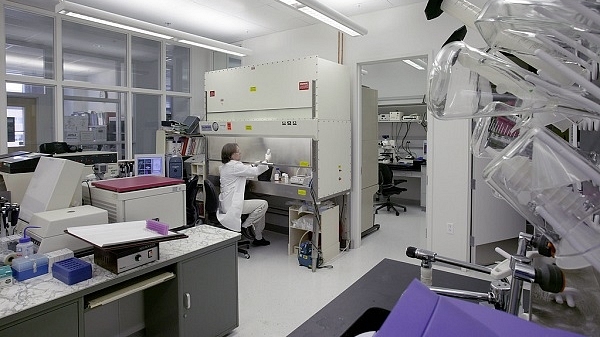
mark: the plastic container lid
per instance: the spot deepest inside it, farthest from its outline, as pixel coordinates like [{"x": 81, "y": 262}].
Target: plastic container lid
[{"x": 26, "y": 263}]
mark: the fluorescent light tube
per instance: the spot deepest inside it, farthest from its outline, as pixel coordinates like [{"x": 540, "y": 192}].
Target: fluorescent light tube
[
  {"x": 413, "y": 64},
  {"x": 327, "y": 15},
  {"x": 202, "y": 45},
  {"x": 118, "y": 25},
  {"x": 134, "y": 25}
]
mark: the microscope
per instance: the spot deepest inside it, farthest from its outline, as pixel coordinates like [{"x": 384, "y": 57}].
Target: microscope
[{"x": 387, "y": 150}]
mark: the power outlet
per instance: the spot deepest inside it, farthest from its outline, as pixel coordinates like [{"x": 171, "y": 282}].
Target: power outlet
[{"x": 450, "y": 228}]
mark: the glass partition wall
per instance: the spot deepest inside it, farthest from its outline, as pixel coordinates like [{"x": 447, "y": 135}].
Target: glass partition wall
[{"x": 113, "y": 87}]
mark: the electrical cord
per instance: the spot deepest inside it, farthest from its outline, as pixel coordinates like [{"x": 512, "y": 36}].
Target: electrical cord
[
  {"x": 406, "y": 149},
  {"x": 317, "y": 214},
  {"x": 89, "y": 191}
]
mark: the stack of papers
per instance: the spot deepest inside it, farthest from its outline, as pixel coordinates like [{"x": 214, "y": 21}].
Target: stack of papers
[{"x": 121, "y": 234}]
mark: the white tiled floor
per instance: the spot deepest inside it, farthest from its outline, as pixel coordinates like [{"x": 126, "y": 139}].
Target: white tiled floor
[{"x": 276, "y": 295}]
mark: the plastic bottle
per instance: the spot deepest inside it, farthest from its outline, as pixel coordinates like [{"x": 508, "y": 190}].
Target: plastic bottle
[
  {"x": 277, "y": 175},
  {"x": 25, "y": 246}
]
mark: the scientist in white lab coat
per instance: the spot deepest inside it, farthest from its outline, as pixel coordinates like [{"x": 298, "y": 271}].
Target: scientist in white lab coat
[{"x": 231, "y": 200}]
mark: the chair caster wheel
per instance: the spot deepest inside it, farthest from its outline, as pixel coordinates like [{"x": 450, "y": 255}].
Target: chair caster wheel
[
  {"x": 375, "y": 212},
  {"x": 247, "y": 256},
  {"x": 397, "y": 213}
]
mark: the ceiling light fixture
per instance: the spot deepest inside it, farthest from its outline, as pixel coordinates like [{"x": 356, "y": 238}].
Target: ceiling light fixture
[
  {"x": 327, "y": 15},
  {"x": 138, "y": 26},
  {"x": 413, "y": 64}
]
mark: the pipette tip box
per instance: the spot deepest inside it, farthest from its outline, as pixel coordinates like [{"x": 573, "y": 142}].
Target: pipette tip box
[
  {"x": 24, "y": 268},
  {"x": 71, "y": 271}
]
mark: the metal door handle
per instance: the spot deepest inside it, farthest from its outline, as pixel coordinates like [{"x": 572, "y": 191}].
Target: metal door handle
[{"x": 188, "y": 301}]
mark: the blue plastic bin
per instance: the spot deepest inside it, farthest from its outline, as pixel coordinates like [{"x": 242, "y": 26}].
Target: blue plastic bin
[
  {"x": 71, "y": 271},
  {"x": 24, "y": 268}
]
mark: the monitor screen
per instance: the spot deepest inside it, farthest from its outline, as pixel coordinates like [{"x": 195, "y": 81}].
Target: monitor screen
[{"x": 149, "y": 164}]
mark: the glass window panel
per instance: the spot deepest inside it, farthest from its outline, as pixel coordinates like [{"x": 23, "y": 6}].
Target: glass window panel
[
  {"x": 31, "y": 109},
  {"x": 16, "y": 126},
  {"x": 178, "y": 68},
  {"x": 233, "y": 62},
  {"x": 178, "y": 108},
  {"x": 146, "y": 120},
  {"x": 29, "y": 43},
  {"x": 95, "y": 120},
  {"x": 93, "y": 55},
  {"x": 145, "y": 63}
]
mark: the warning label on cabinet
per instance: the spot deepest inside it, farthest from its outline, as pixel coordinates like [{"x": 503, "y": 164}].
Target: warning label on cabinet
[{"x": 303, "y": 85}]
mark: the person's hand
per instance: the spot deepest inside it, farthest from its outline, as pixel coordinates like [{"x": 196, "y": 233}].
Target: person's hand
[{"x": 567, "y": 296}]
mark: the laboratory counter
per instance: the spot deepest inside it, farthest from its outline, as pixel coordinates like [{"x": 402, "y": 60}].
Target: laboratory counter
[
  {"x": 197, "y": 285},
  {"x": 377, "y": 291},
  {"x": 415, "y": 166}
]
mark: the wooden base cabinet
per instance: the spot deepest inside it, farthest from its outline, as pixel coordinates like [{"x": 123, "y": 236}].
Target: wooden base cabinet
[{"x": 330, "y": 232}]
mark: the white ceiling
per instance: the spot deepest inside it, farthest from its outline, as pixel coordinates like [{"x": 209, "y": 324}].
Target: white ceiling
[{"x": 224, "y": 20}]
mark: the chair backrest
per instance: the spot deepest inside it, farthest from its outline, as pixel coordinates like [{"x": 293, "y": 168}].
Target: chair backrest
[
  {"x": 386, "y": 176},
  {"x": 191, "y": 207},
  {"x": 211, "y": 197}
]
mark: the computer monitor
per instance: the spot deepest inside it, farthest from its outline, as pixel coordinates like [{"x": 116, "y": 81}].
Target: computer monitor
[{"x": 150, "y": 164}]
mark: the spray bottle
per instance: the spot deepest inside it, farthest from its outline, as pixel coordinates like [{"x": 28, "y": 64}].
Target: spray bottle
[{"x": 25, "y": 246}]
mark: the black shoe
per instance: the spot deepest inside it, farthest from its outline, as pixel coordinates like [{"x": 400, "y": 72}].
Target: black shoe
[
  {"x": 261, "y": 242},
  {"x": 248, "y": 233}
]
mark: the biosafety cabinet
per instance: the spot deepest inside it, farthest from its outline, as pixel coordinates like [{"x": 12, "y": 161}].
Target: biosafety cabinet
[{"x": 301, "y": 107}]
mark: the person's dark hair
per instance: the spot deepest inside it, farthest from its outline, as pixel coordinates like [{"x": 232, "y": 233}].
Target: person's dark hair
[{"x": 228, "y": 150}]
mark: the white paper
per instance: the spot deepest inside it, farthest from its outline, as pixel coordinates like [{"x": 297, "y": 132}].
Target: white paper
[{"x": 116, "y": 233}]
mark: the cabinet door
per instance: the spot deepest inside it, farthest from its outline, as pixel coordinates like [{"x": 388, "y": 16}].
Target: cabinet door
[
  {"x": 60, "y": 322},
  {"x": 210, "y": 293}
]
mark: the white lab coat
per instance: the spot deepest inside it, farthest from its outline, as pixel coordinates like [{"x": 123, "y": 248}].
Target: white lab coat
[{"x": 233, "y": 185}]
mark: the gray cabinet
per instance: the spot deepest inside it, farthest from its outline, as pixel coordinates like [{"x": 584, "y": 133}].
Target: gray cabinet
[
  {"x": 59, "y": 322},
  {"x": 208, "y": 289},
  {"x": 192, "y": 292}
]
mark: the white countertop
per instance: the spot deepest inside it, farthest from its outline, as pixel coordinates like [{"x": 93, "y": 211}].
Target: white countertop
[{"x": 34, "y": 291}]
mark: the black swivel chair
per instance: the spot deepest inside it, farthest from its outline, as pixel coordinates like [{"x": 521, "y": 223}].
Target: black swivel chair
[
  {"x": 212, "y": 206},
  {"x": 191, "y": 205},
  {"x": 387, "y": 188}
]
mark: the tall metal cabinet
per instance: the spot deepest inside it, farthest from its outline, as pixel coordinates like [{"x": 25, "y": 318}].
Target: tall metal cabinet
[{"x": 368, "y": 163}]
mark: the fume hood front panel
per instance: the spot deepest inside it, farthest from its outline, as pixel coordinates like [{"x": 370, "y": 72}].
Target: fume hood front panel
[
  {"x": 305, "y": 88},
  {"x": 295, "y": 128}
]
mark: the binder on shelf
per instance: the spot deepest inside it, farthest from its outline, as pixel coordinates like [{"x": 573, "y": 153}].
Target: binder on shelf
[{"x": 184, "y": 146}]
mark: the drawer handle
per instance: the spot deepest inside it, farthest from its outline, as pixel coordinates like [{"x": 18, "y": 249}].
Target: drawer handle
[{"x": 188, "y": 301}]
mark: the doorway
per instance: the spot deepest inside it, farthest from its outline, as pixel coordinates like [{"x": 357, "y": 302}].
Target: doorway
[
  {"x": 22, "y": 124},
  {"x": 401, "y": 84}
]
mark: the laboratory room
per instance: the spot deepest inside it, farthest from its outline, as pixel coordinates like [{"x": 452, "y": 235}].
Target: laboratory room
[{"x": 299, "y": 168}]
